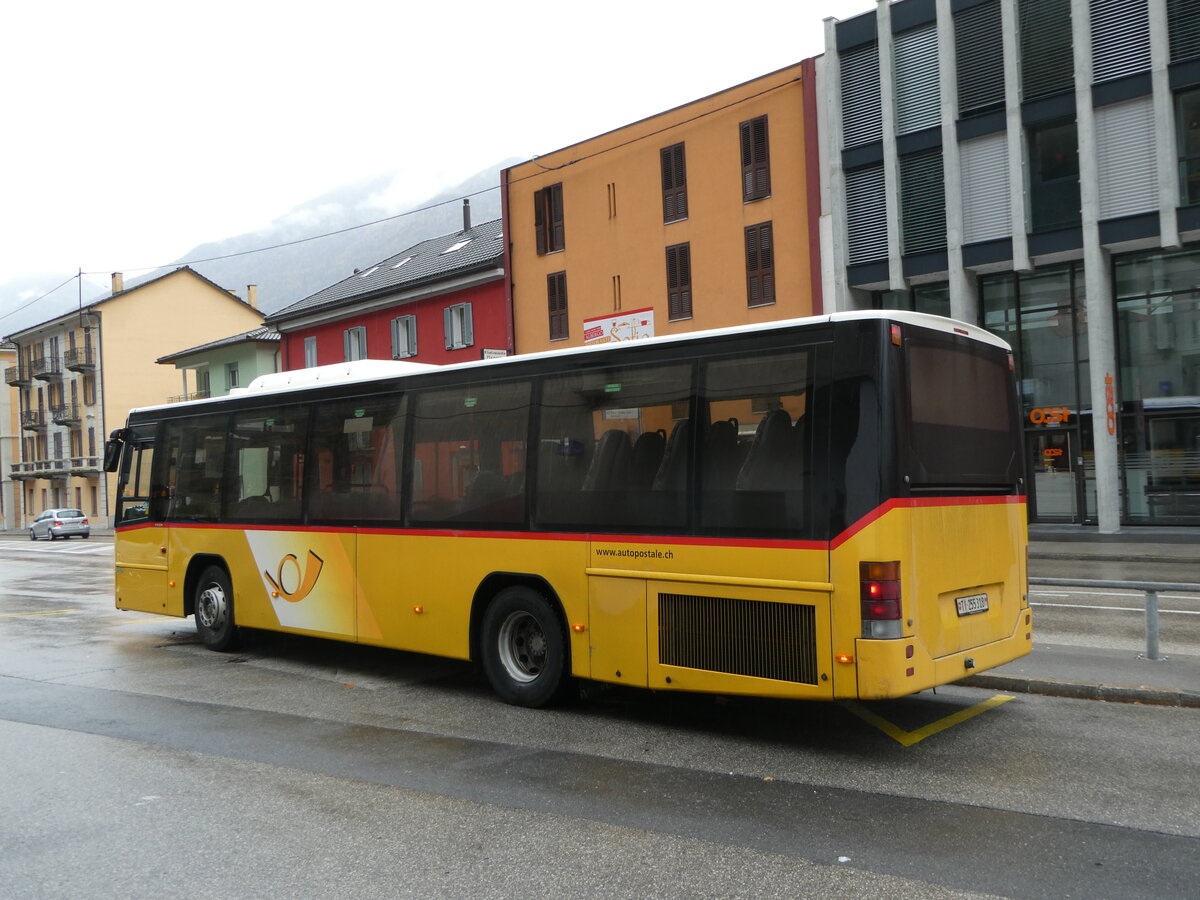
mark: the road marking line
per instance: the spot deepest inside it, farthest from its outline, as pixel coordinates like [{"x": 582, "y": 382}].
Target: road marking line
[
  {"x": 908, "y": 738},
  {"x": 51, "y": 612}
]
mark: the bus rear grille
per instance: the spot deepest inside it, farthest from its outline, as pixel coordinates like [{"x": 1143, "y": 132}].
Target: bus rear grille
[{"x": 739, "y": 637}]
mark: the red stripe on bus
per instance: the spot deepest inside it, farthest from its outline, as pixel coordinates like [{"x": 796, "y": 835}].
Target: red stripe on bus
[{"x": 674, "y": 540}]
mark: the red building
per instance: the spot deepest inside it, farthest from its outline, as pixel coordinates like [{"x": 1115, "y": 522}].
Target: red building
[{"x": 440, "y": 301}]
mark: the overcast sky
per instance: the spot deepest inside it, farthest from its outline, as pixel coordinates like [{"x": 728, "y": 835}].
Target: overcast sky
[{"x": 134, "y": 131}]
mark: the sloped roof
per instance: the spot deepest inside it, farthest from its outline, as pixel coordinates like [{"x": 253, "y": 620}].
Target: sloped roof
[
  {"x": 107, "y": 298},
  {"x": 479, "y": 248},
  {"x": 255, "y": 335}
]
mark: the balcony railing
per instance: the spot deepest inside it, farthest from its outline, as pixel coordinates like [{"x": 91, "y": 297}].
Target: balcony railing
[
  {"x": 67, "y": 414},
  {"x": 40, "y": 468},
  {"x": 79, "y": 360},
  {"x": 85, "y": 465},
  {"x": 33, "y": 419},
  {"x": 183, "y": 398},
  {"x": 46, "y": 368},
  {"x": 17, "y": 376}
]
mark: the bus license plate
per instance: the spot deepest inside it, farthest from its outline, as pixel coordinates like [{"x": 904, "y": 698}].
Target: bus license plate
[{"x": 971, "y": 604}]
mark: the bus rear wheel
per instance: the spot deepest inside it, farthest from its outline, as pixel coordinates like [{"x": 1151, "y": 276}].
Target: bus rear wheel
[
  {"x": 214, "y": 609},
  {"x": 524, "y": 648}
]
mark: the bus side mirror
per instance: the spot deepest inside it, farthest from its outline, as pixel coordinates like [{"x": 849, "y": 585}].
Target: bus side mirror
[{"x": 112, "y": 454}]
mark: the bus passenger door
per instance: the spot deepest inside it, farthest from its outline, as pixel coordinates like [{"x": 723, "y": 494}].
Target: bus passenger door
[{"x": 141, "y": 545}]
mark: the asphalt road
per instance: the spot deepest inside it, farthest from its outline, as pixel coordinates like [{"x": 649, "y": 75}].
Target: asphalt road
[{"x": 136, "y": 763}]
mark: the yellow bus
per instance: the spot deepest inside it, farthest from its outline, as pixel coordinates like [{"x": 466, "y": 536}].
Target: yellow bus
[{"x": 819, "y": 508}]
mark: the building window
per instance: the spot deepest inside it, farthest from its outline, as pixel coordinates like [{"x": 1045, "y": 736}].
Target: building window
[
  {"x": 862, "y": 111},
  {"x": 674, "y": 183},
  {"x": 556, "y": 302},
  {"x": 1183, "y": 25},
  {"x": 1047, "y": 60},
  {"x": 1054, "y": 176},
  {"x": 231, "y": 375},
  {"x": 1120, "y": 38},
  {"x": 89, "y": 389},
  {"x": 548, "y": 219},
  {"x": 866, "y": 216},
  {"x": 760, "y": 265},
  {"x": 679, "y": 282},
  {"x": 756, "y": 159},
  {"x": 923, "y": 202},
  {"x": 354, "y": 340},
  {"x": 404, "y": 337},
  {"x": 1187, "y": 118},
  {"x": 979, "y": 57},
  {"x": 459, "y": 331},
  {"x": 310, "y": 352},
  {"x": 915, "y": 53}
]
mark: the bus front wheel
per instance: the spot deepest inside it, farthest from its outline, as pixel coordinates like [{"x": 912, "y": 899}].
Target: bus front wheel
[
  {"x": 524, "y": 648},
  {"x": 214, "y": 609}
]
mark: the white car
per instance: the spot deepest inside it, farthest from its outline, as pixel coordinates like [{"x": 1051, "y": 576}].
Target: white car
[{"x": 59, "y": 523}]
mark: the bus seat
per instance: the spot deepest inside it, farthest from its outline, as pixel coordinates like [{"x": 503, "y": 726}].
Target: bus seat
[
  {"x": 609, "y": 470},
  {"x": 721, "y": 458},
  {"x": 647, "y": 457},
  {"x": 770, "y": 453},
  {"x": 672, "y": 474}
]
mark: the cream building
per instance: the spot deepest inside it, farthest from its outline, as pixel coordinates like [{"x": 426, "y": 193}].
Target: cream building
[{"x": 75, "y": 378}]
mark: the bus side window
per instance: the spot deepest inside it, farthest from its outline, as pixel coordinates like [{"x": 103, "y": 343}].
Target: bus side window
[
  {"x": 613, "y": 449},
  {"x": 756, "y": 457},
  {"x": 469, "y": 454},
  {"x": 266, "y": 465},
  {"x": 196, "y": 449},
  {"x": 355, "y": 475}
]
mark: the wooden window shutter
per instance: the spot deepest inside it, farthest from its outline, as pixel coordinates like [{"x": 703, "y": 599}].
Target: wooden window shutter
[
  {"x": 756, "y": 161},
  {"x": 539, "y": 219},
  {"x": 556, "y": 302},
  {"x": 679, "y": 282},
  {"x": 674, "y": 183},
  {"x": 760, "y": 265}
]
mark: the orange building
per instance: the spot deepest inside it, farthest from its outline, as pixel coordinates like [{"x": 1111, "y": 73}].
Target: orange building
[{"x": 699, "y": 217}]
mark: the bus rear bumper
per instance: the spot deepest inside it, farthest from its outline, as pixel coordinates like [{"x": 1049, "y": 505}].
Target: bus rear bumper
[{"x": 887, "y": 670}]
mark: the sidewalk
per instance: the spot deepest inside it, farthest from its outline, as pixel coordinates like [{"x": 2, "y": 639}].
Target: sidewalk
[{"x": 1135, "y": 554}]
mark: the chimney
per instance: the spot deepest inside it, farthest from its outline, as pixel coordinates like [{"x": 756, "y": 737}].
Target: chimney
[
  {"x": 252, "y": 295},
  {"x": 466, "y": 215},
  {"x": 118, "y": 282}
]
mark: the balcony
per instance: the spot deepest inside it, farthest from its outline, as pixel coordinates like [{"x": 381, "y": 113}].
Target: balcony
[
  {"x": 46, "y": 368},
  {"x": 33, "y": 419},
  {"x": 17, "y": 376},
  {"x": 80, "y": 360},
  {"x": 85, "y": 465},
  {"x": 39, "y": 468},
  {"x": 68, "y": 414},
  {"x": 184, "y": 398}
]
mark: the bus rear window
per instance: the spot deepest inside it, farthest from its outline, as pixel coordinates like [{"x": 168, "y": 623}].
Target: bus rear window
[{"x": 962, "y": 422}]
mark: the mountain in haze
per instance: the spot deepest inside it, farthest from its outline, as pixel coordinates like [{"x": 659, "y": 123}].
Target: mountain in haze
[{"x": 295, "y": 267}]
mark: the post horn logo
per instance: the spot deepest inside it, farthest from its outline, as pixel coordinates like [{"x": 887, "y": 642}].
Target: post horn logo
[{"x": 303, "y": 581}]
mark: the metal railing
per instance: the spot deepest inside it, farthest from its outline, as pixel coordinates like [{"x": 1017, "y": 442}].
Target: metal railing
[{"x": 1150, "y": 588}]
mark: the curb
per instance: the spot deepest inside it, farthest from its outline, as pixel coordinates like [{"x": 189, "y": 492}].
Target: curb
[{"x": 1085, "y": 690}]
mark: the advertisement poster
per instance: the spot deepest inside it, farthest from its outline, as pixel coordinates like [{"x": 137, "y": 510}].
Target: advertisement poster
[{"x": 629, "y": 326}]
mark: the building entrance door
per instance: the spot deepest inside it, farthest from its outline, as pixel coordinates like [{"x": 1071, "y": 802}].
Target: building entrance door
[{"x": 1055, "y": 475}]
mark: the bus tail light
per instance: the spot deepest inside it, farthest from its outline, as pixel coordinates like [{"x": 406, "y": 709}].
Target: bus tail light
[{"x": 879, "y": 592}]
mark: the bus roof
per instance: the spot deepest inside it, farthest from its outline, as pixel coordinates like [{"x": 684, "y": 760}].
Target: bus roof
[{"x": 367, "y": 370}]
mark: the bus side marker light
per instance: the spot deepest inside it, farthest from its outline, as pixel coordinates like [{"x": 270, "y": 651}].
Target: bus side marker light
[
  {"x": 897, "y": 337},
  {"x": 908, "y": 653},
  {"x": 910, "y": 671},
  {"x": 579, "y": 628},
  {"x": 274, "y": 593},
  {"x": 418, "y": 609},
  {"x": 170, "y": 584},
  {"x": 844, "y": 657}
]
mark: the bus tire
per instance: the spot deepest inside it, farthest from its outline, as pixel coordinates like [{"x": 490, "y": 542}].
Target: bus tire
[
  {"x": 214, "y": 610},
  {"x": 524, "y": 648}
]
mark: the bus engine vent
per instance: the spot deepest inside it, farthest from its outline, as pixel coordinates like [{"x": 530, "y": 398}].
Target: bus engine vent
[{"x": 739, "y": 637}]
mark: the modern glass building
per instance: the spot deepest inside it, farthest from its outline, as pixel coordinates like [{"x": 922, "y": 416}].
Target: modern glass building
[{"x": 1033, "y": 166}]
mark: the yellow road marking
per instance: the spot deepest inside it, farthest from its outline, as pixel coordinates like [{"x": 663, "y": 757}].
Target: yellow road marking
[
  {"x": 49, "y": 612},
  {"x": 908, "y": 738}
]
